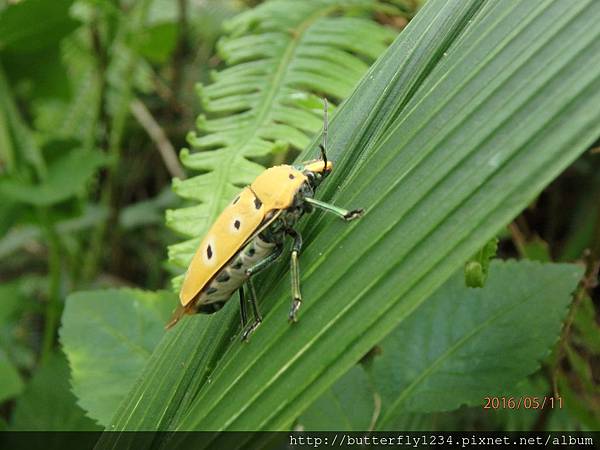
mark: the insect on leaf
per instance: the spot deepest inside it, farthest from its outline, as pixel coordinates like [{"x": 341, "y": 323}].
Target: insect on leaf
[{"x": 277, "y": 54}]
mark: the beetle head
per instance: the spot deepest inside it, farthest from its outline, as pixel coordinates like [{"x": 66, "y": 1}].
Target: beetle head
[{"x": 315, "y": 170}]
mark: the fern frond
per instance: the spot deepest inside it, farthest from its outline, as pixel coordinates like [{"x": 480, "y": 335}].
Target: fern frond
[{"x": 281, "y": 56}]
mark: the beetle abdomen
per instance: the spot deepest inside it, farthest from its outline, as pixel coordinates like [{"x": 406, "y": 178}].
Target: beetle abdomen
[{"x": 231, "y": 277}]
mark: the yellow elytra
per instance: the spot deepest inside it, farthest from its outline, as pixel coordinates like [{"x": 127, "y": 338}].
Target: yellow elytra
[{"x": 249, "y": 235}]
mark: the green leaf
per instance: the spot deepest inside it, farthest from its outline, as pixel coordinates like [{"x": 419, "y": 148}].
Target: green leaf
[
  {"x": 146, "y": 212},
  {"x": 157, "y": 42},
  {"x": 11, "y": 385},
  {"x": 48, "y": 403},
  {"x": 21, "y": 235},
  {"x": 48, "y": 78},
  {"x": 66, "y": 178},
  {"x": 349, "y": 405},
  {"x": 473, "y": 110},
  {"x": 108, "y": 337},
  {"x": 277, "y": 53},
  {"x": 477, "y": 268},
  {"x": 32, "y": 25},
  {"x": 464, "y": 344}
]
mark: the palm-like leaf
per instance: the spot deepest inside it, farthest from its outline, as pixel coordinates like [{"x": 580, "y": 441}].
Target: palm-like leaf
[{"x": 259, "y": 105}]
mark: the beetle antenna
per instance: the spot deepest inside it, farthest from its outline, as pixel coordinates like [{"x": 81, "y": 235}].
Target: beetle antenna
[{"x": 323, "y": 146}]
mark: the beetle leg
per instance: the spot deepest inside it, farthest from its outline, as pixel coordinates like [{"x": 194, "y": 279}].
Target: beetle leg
[
  {"x": 295, "y": 273},
  {"x": 260, "y": 265},
  {"x": 340, "y": 212},
  {"x": 264, "y": 263},
  {"x": 243, "y": 310},
  {"x": 257, "y": 316}
]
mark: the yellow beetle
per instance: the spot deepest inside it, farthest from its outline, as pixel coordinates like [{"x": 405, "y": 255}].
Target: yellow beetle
[{"x": 249, "y": 235}]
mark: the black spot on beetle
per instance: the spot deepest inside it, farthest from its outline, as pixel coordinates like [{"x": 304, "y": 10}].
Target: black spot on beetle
[
  {"x": 211, "y": 290},
  {"x": 223, "y": 277},
  {"x": 292, "y": 176},
  {"x": 210, "y": 308},
  {"x": 209, "y": 251},
  {"x": 257, "y": 203},
  {"x": 237, "y": 224},
  {"x": 251, "y": 251},
  {"x": 237, "y": 265}
]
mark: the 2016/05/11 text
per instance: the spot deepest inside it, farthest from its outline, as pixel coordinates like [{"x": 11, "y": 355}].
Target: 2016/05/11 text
[{"x": 522, "y": 402}]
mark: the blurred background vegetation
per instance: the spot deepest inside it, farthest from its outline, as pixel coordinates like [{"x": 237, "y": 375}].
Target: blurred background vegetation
[{"x": 96, "y": 99}]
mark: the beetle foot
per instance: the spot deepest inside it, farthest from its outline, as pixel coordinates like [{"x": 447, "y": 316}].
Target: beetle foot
[
  {"x": 293, "y": 315},
  {"x": 354, "y": 214},
  {"x": 250, "y": 329}
]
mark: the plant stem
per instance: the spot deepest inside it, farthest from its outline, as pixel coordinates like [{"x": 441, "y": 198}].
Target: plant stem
[
  {"x": 54, "y": 272},
  {"x": 157, "y": 134}
]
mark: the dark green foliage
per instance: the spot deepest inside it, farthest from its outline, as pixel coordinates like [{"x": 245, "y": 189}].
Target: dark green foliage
[
  {"x": 48, "y": 403},
  {"x": 66, "y": 177},
  {"x": 52, "y": 20},
  {"x": 446, "y": 354}
]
